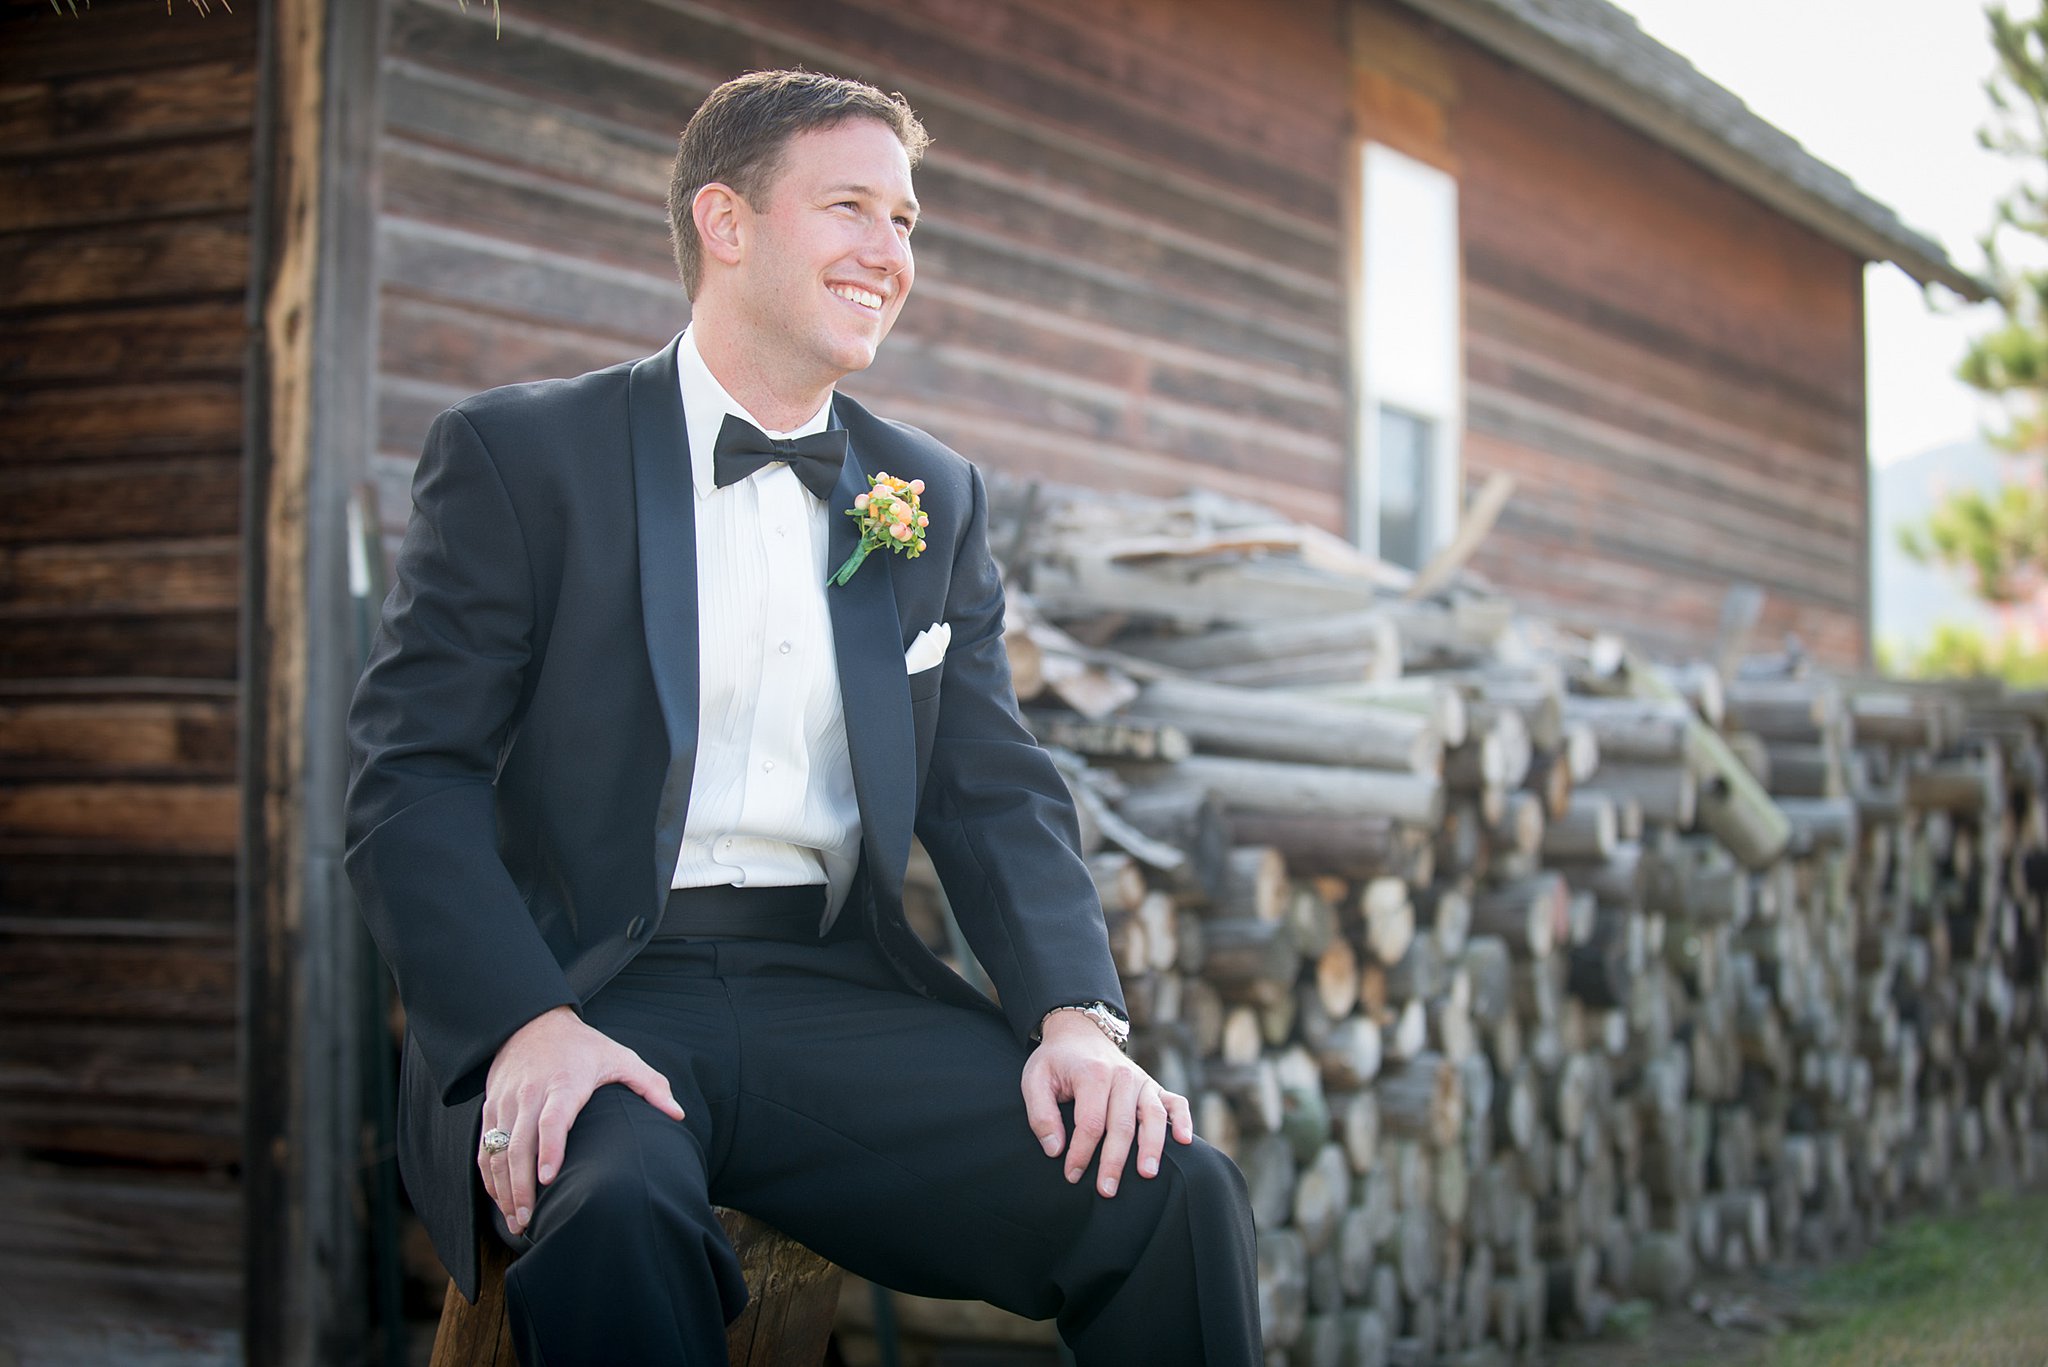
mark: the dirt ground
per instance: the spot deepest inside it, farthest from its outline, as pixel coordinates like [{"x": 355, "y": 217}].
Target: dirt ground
[{"x": 1726, "y": 1322}]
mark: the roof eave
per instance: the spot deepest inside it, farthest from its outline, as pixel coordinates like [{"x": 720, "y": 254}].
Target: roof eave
[{"x": 1571, "y": 71}]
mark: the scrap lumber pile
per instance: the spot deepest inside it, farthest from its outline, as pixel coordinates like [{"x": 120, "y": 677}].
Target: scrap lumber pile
[{"x": 1520, "y": 975}]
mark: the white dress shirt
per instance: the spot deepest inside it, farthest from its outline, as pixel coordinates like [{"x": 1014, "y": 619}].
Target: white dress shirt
[{"x": 771, "y": 799}]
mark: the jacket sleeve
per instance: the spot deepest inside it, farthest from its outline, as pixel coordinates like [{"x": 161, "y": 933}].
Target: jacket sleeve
[
  {"x": 436, "y": 705},
  {"x": 996, "y": 816}
]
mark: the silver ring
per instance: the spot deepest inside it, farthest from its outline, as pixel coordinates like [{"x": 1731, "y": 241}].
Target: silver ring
[{"x": 496, "y": 1141}]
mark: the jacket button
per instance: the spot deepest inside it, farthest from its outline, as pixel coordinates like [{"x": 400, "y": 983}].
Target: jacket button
[{"x": 636, "y": 927}]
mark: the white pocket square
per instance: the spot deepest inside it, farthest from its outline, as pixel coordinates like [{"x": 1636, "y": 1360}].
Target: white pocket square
[{"x": 928, "y": 649}]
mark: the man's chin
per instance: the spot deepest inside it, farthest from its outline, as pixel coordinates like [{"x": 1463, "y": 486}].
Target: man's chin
[{"x": 852, "y": 359}]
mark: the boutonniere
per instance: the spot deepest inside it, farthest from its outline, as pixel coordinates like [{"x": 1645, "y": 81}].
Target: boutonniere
[{"x": 889, "y": 518}]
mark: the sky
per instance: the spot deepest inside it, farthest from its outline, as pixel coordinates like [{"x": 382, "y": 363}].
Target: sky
[{"x": 1889, "y": 92}]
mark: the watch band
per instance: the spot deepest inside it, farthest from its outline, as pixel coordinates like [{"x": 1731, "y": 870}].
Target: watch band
[{"x": 1110, "y": 1021}]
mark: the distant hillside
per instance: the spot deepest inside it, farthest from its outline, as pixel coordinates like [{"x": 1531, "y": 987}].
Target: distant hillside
[{"x": 1907, "y": 599}]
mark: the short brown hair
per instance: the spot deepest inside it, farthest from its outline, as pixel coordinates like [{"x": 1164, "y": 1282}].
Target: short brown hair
[{"x": 738, "y": 134}]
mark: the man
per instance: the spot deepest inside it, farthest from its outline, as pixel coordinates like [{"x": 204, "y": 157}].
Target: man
[{"x": 634, "y": 792}]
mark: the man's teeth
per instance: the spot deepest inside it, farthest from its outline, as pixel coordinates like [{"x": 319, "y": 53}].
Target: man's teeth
[{"x": 854, "y": 294}]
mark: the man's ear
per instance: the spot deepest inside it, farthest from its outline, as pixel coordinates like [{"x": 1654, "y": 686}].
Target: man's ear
[{"x": 720, "y": 215}]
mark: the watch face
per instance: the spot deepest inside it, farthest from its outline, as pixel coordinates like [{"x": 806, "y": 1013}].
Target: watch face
[{"x": 1119, "y": 1029}]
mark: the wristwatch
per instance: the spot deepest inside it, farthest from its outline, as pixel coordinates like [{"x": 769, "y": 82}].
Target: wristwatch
[{"x": 1107, "y": 1018}]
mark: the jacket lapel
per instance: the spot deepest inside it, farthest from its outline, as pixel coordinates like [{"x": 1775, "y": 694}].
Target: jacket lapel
[
  {"x": 874, "y": 691},
  {"x": 667, "y": 533}
]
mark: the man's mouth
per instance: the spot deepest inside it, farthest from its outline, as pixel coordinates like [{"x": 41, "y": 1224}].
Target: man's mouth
[{"x": 854, "y": 294}]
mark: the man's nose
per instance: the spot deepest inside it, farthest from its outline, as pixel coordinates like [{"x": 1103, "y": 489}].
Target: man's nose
[{"x": 886, "y": 249}]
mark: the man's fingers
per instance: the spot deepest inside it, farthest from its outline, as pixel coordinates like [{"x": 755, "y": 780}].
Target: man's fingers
[
  {"x": 653, "y": 1088},
  {"x": 1120, "y": 1126},
  {"x": 1182, "y": 1117},
  {"x": 551, "y": 1134},
  {"x": 497, "y": 1167},
  {"x": 1153, "y": 1117},
  {"x": 1042, "y": 1112},
  {"x": 492, "y": 1168},
  {"x": 1091, "y": 1102},
  {"x": 519, "y": 1163}
]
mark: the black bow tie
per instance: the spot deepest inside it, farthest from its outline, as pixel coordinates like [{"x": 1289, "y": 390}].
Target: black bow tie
[{"x": 743, "y": 448}]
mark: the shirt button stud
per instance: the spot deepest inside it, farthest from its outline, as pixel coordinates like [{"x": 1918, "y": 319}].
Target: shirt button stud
[
  {"x": 767, "y": 766},
  {"x": 784, "y": 647}
]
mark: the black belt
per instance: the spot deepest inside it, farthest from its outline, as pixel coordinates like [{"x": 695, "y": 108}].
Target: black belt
[{"x": 724, "y": 912}]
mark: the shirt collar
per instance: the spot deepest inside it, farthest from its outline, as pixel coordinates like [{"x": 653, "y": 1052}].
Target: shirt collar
[{"x": 705, "y": 404}]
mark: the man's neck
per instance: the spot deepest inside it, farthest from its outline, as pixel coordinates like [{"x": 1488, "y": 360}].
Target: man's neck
[{"x": 776, "y": 402}]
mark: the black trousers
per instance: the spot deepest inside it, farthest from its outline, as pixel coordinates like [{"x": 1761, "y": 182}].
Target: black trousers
[{"x": 883, "y": 1130}]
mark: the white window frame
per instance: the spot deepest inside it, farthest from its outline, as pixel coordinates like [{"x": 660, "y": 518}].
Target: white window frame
[{"x": 1408, "y": 330}]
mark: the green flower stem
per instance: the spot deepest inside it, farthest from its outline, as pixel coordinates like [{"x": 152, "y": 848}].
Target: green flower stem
[{"x": 845, "y": 572}]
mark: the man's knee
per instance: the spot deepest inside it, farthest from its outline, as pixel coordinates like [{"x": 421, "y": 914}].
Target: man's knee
[
  {"x": 624, "y": 1163},
  {"x": 1210, "y": 1180}
]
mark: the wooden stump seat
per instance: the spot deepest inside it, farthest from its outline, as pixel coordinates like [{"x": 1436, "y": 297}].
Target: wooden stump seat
[{"x": 787, "y": 1321}]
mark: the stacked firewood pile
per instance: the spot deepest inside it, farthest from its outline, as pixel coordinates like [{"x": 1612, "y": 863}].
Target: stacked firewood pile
[{"x": 1523, "y": 977}]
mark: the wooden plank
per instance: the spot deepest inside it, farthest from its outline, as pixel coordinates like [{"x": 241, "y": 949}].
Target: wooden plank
[
  {"x": 1736, "y": 411},
  {"x": 175, "y": 817},
  {"x": 1287, "y": 71},
  {"x": 126, "y": 1131},
  {"x": 1702, "y": 562},
  {"x": 1058, "y": 403},
  {"x": 117, "y": 500},
  {"x": 186, "y": 1222},
  {"x": 1754, "y": 464},
  {"x": 124, "y": 263},
  {"x": 1578, "y": 487},
  {"x": 144, "y": 646},
  {"x": 116, "y": 420},
  {"x": 434, "y": 342},
  {"x": 1635, "y": 325},
  {"x": 520, "y": 283},
  {"x": 516, "y": 205},
  {"x": 157, "y": 979},
  {"x": 52, "y": 115},
  {"x": 151, "y": 892},
  {"x": 121, "y": 577},
  {"x": 119, "y": 36},
  {"x": 167, "y": 1062},
  {"x": 208, "y": 175},
  {"x": 193, "y": 339},
  {"x": 1306, "y": 347},
  {"x": 307, "y": 1264},
  {"x": 117, "y": 739}
]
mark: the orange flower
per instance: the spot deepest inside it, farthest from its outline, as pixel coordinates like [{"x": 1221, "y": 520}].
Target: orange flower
[{"x": 889, "y": 518}]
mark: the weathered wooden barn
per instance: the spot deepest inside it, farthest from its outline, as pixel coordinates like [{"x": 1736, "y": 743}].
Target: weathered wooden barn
[{"x": 1344, "y": 256}]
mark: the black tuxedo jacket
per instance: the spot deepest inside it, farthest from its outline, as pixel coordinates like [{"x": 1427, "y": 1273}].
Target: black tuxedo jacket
[{"x": 524, "y": 736}]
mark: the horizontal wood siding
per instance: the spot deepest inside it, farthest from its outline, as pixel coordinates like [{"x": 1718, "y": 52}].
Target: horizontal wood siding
[
  {"x": 1672, "y": 372},
  {"x": 1128, "y": 271},
  {"x": 125, "y": 155}
]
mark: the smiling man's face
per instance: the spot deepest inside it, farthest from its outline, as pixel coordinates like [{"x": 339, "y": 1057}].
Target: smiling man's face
[{"x": 826, "y": 262}]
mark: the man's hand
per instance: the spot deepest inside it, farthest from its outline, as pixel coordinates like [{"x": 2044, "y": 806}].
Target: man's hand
[
  {"x": 537, "y": 1086},
  {"x": 1114, "y": 1100}
]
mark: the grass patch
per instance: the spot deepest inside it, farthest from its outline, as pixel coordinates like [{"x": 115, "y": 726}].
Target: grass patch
[{"x": 1968, "y": 1290}]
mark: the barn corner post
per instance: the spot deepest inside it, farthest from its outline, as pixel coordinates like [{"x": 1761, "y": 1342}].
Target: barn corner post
[{"x": 310, "y": 416}]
